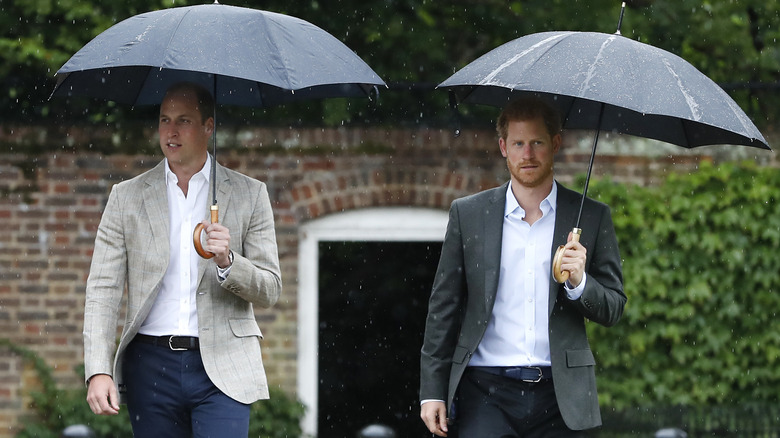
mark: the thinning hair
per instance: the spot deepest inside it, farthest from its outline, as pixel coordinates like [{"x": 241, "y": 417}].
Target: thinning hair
[
  {"x": 529, "y": 108},
  {"x": 205, "y": 100}
]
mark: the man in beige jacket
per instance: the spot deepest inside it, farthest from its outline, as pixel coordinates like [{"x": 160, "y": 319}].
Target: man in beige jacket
[{"x": 188, "y": 361}]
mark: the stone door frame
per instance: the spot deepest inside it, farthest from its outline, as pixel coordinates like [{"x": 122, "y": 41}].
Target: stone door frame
[{"x": 383, "y": 224}]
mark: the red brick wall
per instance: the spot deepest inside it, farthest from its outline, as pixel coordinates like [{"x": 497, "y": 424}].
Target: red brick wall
[{"x": 54, "y": 184}]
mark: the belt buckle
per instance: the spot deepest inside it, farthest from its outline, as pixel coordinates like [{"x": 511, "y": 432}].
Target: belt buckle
[
  {"x": 170, "y": 345},
  {"x": 538, "y": 379}
]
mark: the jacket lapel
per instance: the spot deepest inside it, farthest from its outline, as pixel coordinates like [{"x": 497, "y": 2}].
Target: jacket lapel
[
  {"x": 493, "y": 231},
  {"x": 156, "y": 207}
]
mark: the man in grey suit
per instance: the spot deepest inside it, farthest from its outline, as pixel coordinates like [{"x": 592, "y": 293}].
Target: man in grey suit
[
  {"x": 505, "y": 352},
  {"x": 188, "y": 361}
]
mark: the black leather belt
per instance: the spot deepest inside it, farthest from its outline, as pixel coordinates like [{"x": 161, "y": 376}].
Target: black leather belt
[
  {"x": 176, "y": 343},
  {"x": 525, "y": 374}
]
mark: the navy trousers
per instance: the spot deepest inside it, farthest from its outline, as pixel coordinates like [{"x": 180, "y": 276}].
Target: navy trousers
[
  {"x": 491, "y": 406},
  {"x": 169, "y": 395}
]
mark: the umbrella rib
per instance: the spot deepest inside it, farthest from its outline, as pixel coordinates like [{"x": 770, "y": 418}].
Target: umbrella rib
[
  {"x": 273, "y": 41},
  {"x": 489, "y": 79},
  {"x": 686, "y": 135},
  {"x": 173, "y": 34},
  {"x": 140, "y": 89}
]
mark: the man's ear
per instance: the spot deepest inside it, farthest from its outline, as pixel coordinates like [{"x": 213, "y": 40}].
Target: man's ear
[
  {"x": 209, "y": 125},
  {"x": 502, "y": 146},
  {"x": 557, "y": 140}
]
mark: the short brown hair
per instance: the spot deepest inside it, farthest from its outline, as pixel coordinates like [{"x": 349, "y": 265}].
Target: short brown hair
[
  {"x": 527, "y": 108},
  {"x": 205, "y": 100}
]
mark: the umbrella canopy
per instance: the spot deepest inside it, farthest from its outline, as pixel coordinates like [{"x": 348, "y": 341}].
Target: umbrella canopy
[
  {"x": 247, "y": 57},
  {"x": 609, "y": 82}
]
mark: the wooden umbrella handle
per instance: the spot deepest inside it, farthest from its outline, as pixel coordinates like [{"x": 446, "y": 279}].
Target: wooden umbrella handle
[
  {"x": 559, "y": 275},
  {"x": 199, "y": 228}
]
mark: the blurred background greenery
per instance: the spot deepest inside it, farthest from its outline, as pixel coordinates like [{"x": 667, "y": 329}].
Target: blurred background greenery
[{"x": 412, "y": 44}]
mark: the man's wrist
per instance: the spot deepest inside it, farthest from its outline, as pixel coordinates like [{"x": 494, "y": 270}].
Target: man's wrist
[
  {"x": 230, "y": 260},
  {"x": 574, "y": 293},
  {"x": 222, "y": 273}
]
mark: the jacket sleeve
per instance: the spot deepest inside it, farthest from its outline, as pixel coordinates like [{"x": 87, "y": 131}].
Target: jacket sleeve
[
  {"x": 105, "y": 288},
  {"x": 603, "y": 299},
  {"x": 255, "y": 275},
  {"x": 444, "y": 315}
]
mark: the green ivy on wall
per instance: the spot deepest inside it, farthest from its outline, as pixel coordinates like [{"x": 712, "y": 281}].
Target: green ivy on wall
[{"x": 700, "y": 270}]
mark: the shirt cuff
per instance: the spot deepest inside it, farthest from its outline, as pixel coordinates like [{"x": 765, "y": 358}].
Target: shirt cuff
[
  {"x": 574, "y": 293},
  {"x": 430, "y": 400},
  {"x": 222, "y": 274}
]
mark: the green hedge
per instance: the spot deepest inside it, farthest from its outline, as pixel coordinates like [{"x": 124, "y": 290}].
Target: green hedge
[{"x": 701, "y": 273}]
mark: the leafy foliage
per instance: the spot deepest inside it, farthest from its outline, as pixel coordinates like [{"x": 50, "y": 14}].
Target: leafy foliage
[
  {"x": 279, "y": 417},
  {"x": 56, "y": 408},
  {"x": 700, "y": 326}
]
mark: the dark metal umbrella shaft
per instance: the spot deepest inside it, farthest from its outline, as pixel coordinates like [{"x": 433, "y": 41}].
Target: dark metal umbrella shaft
[{"x": 590, "y": 168}]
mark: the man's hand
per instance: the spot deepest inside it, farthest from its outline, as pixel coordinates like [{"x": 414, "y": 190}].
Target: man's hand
[
  {"x": 434, "y": 414},
  {"x": 218, "y": 243},
  {"x": 574, "y": 257},
  {"x": 102, "y": 396}
]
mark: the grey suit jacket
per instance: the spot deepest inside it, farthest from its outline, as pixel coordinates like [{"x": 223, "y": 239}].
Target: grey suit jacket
[
  {"x": 465, "y": 287},
  {"x": 132, "y": 252}
]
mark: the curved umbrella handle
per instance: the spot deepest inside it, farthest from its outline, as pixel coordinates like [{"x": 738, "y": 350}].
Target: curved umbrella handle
[
  {"x": 199, "y": 228},
  {"x": 559, "y": 275}
]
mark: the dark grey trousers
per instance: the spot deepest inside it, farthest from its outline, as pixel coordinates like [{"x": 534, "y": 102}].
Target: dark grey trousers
[{"x": 491, "y": 406}]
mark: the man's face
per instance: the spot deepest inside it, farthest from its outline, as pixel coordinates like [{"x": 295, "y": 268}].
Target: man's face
[
  {"x": 529, "y": 150},
  {"x": 184, "y": 137}
]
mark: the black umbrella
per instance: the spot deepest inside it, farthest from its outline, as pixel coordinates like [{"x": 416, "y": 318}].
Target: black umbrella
[
  {"x": 607, "y": 82},
  {"x": 246, "y": 57}
]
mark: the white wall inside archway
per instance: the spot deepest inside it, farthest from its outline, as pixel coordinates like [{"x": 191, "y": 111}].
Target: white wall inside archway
[{"x": 390, "y": 224}]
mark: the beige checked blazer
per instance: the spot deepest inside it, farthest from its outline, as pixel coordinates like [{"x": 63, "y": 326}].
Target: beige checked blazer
[{"x": 132, "y": 252}]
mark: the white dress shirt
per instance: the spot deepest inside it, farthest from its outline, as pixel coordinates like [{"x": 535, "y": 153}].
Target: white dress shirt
[
  {"x": 517, "y": 332},
  {"x": 174, "y": 311}
]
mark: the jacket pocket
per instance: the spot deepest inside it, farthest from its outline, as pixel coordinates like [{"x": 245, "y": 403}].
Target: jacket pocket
[
  {"x": 245, "y": 327},
  {"x": 580, "y": 358}
]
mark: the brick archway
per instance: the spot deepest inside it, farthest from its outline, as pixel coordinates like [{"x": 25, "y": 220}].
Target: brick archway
[{"x": 389, "y": 186}]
